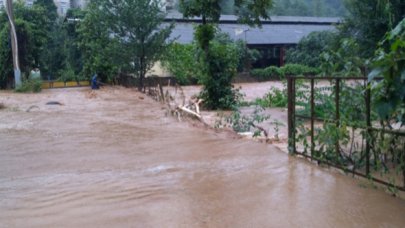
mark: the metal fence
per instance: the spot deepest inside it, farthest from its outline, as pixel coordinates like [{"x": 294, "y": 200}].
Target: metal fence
[{"x": 381, "y": 164}]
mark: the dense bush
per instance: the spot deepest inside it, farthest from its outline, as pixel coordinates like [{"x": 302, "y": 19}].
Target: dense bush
[
  {"x": 181, "y": 61},
  {"x": 30, "y": 85},
  {"x": 343, "y": 60},
  {"x": 389, "y": 63},
  {"x": 274, "y": 98},
  {"x": 275, "y": 73},
  {"x": 298, "y": 69},
  {"x": 68, "y": 74},
  {"x": 309, "y": 49},
  {"x": 269, "y": 73},
  {"x": 246, "y": 56}
]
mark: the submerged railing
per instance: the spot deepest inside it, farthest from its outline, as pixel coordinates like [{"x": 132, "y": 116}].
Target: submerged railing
[{"x": 335, "y": 125}]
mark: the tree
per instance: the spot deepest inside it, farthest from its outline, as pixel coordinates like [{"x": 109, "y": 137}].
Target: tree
[
  {"x": 6, "y": 61},
  {"x": 74, "y": 58},
  {"x": 369, "y": 20},
  {"x": 181, "y": 61},
  {"x": 99, "y": 49},
  {"x": 292, "y": 8},
  {"x": 319, "y": 8},
  {"x": 389, "y": 63},
  {"x": 137, "y": 24},
  {"x": 227, "y": 7},
  {"x": 48, "y": 55},
  {"x": 309, "y": 49},
  {"x": 53, "y": 56},
  {"x": 217, "y": 90},
  {"x": 31, "y": 34},
  {"x": 50, "y": 10}
]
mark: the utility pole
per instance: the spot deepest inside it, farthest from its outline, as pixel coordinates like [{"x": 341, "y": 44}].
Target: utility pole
[{"x": 14, "y": 43}]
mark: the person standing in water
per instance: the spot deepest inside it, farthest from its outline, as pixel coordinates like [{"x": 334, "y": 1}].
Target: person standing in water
[{"x": 94, "y": 82}]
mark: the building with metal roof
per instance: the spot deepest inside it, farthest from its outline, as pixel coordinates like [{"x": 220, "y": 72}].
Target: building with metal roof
[{"x": 271, "y": 39}]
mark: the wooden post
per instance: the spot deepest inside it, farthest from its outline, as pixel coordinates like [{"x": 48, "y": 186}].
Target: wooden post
[
  {"x": 162, "y": 95},
  {"x": 368, "y": 123},
  {"x": 337, "y": 114},
  {"x": 291, "y": 115},
  {"x": 282, "y": 55},
  {"x": 312, "y": 117}
]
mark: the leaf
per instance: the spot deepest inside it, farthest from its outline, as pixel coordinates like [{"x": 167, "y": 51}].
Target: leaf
[
  {"x": 398, "y": 29},
  {"x": 375, "y": 73},
  {"x": 403, "y": 75}
]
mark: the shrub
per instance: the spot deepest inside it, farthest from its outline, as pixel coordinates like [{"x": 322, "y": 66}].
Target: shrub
[
  {"x": 298, "y": 69},
  {"x": 344, "y": 60},
  {"x": 30, "y": 85},
  {"x": 274, "y": 73},
  {"x": 67, "y": 75},
  {"x": 181, "y": 61},
  {"x": 244, "y": 123},
  {"x": 274, "y": 98},
  {"x": 389, "y": 63},
  {"x": 269, "y": 73}
]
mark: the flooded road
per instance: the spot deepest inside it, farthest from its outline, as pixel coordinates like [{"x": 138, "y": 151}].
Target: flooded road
[{"x": 113, "y": 159}]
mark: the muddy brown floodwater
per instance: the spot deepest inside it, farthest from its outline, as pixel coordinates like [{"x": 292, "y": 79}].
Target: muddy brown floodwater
[{"x": 113, "y": 159}]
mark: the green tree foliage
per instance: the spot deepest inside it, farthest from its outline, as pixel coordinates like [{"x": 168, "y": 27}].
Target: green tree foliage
[
  {"x": 227, "y": 7},
  {"x": 74, "y": 60},
  {"x": 137, "y": 24},
  {"x": 316, "y": 8},
  {"x": 276, "y": 73},
  {"x": 309, "y": 49},
  {"x": 54, "y": 54},
  {"x": 369, "y": 20},
  {"x": 50, "y": 11},
  {"x": 98, "y": 48},
  {"x": 218, "y": 74},
  {"x": 389, "y": 63},
  {"x": 45, "y": 21},
  {"x": 32, "y": 37},
  {"x": 6, "y": 61},
  {"x": 358, "y": 36},
  {"x": 291, "y": 8},
  {"x": 181, "y": 61},
  {"x": 322, "y": 8},
  {"x": 222, "y": 62},
  {"x": 245, "y": 55},
  {"x": 343, "y": 59}
]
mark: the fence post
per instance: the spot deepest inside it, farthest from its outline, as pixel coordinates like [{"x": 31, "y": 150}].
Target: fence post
[
  {"x": 291, "y": 114},
  {"x": 312, "y": 117},
  {"x": 337, "y": 115},
  {"x": 368, "y": 123},
  {"x": 403, "y": 165}
]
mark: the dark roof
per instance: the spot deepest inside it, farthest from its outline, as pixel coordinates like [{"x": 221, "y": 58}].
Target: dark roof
[{"x": 278, "y": 30}]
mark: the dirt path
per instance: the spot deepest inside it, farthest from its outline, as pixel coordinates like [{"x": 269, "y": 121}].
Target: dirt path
[{"x": 112, "y": 159}]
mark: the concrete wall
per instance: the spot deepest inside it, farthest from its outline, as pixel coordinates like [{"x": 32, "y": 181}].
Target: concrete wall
[{"x": 158, "y": 70}]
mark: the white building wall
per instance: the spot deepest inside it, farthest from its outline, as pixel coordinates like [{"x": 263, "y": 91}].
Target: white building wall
[
  {"x": 29, "y": 3},
  {"x": 62, "y": 6},
  {"x": 79, "y": 3}
]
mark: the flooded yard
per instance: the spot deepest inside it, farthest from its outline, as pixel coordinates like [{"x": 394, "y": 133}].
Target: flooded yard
[{"x": 113, "y": 158}]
